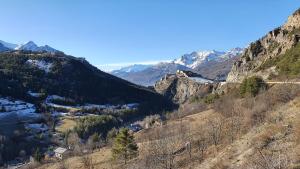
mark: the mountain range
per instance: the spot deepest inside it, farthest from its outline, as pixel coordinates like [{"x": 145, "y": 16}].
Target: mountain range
[
  {"x": 210, "y": 64},
  {"x": 28, "y": 46}
]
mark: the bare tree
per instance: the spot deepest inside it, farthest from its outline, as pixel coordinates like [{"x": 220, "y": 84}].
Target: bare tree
[
  {"x": 266, "y": 159},
  {"x": 63, "y": 165},
  {"x": 73, "y": 142},
  {"x": 161, "y": 153},
  {"x": 87, "y": 162},
  {"x": 215, "y": 127}
]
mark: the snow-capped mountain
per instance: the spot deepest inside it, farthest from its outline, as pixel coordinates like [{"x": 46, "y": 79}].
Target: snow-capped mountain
[
  {"x": 232, "y": 53},
  {"x": 211, "y": 64},
  {"x": 195, "y": 59},
  {"x": 29, "y": 46}
]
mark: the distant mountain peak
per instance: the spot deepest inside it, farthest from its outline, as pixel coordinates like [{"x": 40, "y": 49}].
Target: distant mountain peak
[
  {"x": 28, "y": 46},
  {"x": 194, "y": 59},
  {"x": 217, "y": 63}
]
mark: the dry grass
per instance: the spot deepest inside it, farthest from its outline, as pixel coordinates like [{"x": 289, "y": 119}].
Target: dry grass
[
  {"x": 277, "y": 132},
  {"x": 193, "y": 122},
  {"x": 66, "y": 124},
  {"x": 100, "y": 159}
]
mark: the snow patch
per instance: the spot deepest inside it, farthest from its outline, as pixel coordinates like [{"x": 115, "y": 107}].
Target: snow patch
[
  {"x": 41, "y": 64},
  {"x": 200, "y": 80},
  {"x": 33, "y": 94},
  {"x": 24, "y": 111}
]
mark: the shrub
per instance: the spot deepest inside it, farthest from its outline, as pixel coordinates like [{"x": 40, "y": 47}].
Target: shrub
[
  {"x": 211, "y": 98},
  {"x": 251, "y": 86},
  {"x": 87, "y": 126}
]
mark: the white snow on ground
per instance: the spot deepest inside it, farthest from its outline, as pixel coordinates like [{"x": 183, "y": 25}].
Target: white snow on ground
[
  {"x": 95, "y": 106},
  {"x": 38, "y": 127},
  {"x": 61, "y": 106},
  {"x": 54, "y": 97},
  {"x": 87, "y": 106},
  {"x": 24, "y": 111},
  {"x": 200, "y": 80},
  {"x": 59, "y": 114},
  {"x": 50, "y": 98},
  {"x": 41, "y": 64},
  {"x": 34, "y": 94}
]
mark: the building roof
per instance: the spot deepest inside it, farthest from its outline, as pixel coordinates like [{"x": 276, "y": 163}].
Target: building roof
[{"x": 60, "y": 150}]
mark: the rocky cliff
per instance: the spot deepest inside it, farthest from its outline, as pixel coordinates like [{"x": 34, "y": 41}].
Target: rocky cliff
[
  {"x": 273, "y": 45},
  {"x": 180, "y": 88}
]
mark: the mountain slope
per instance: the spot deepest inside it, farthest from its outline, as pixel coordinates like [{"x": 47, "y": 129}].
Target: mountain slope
[
  {"x": 8, "y": 45},
  {"x": 152, "y": 74},
  {"x": 210, "y": 64},
  {"x": 59, "y": 74},
  {"x": 197, "y": 58},
  {"x": 129, "y": 69},
  {"x": 31, "y": 46},
  {"x": 263, "y": 56},
  {"x": 217, "y": 70},
  {"x": 3, "y": 48}
]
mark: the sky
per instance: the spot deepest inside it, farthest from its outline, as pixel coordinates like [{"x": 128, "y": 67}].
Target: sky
[{"x": 115, "y": 33}]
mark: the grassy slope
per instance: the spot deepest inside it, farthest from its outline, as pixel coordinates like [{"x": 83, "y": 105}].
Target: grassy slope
[
  {"x": 235, "y": 155},
  {"x": 287, "y": 64}
]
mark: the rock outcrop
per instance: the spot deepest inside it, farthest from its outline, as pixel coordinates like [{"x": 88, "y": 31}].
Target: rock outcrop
[
  {"x": 272, "y": 45},
  {"x": 179, "y": 87}
]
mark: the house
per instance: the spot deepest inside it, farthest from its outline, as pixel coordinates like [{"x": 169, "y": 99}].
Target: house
[{"x": 60, "y": 152}]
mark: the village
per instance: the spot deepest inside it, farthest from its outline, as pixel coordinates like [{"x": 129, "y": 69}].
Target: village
[{"x": 48, "y": 127}]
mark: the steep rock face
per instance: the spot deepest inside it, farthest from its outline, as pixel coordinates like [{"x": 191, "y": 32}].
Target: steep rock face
[
  {"x": 179, "y": 89},
  {"x": 272, "y": 45}
]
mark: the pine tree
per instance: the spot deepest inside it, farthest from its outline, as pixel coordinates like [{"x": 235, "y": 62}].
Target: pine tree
[
  {"x": 124, "y": 146},
  {"x": 38, "y": 155}
]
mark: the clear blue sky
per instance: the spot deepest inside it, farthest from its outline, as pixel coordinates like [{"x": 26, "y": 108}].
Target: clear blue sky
[{"x": 134, "y": 31}]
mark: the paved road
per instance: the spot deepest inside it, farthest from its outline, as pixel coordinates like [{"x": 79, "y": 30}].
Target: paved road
[
  {"x": 285, "y": 82},
  {"x": 268, "y": 82}
]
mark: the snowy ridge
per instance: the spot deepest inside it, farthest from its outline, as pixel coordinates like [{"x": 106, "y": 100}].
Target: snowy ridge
[
  {"x": 200, "y": 80},
  {"x": 29, "y": 46},
  {"x": 195, "y": 59},
  {"x": 191, "y": 60}
]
